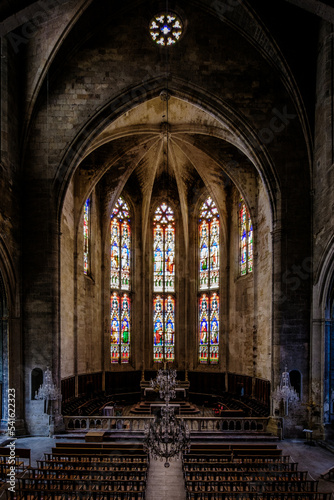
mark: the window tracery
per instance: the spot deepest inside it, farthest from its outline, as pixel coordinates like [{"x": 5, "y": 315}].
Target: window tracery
[
  {"x": 166, "y": 29},
  {"x": 164, "y": 284},
  {"x": 120, "y": 301},
  {"x": 209, "y": 270}
]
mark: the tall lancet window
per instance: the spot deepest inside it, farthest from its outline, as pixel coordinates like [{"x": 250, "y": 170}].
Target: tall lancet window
[
  {"x": 120, "y": 302},
  {"x": 164, "y": 284},
  {"x": 86, "y": 235},
  {"x": 246, "y": 239},
  {"x": 208, "y": 305}
]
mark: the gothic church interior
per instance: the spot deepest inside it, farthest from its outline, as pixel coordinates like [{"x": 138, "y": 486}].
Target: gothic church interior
[{"x": 167, "y": 203}]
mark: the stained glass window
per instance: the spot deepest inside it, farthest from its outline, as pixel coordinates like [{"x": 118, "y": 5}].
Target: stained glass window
[
  {"x": 209, "y": 254},
  {"x": 86, "y": 234},
  {"x": 166, "y": 29},
  {"x": 246, "y": 239},
  {"x": 163, "y": 284},
  {"x": 120, "y": 303}
]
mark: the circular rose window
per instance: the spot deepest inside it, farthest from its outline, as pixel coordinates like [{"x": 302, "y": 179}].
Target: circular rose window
[{"x": 166, "y": 29}]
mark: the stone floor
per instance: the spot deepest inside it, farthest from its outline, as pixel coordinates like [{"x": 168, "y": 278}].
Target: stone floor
[
  {"x": 314, "y": 459},
  {"x": 167, "y": 483}
]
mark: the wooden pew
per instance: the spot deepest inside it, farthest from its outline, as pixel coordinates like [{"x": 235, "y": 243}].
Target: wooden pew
[
  {"x": 92, "y": 465},
  {"x": 236, "y": 495},
  {"x": 243, "y": 485},
  {"x": 242, "y": 466},
  {"x": 76, "y": 474},
  {"x": 24, "y": 453},
  {"x": 238, "y": 475},
  {"x": 110, "y": 445}
]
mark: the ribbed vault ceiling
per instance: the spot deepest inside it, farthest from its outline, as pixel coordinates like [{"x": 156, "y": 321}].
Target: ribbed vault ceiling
[
  {"x": 178, "y": 145},
  {"x": 152, "y": 151}
]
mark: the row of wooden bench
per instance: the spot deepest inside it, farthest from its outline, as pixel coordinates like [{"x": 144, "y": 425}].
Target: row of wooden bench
[
  {"x": 98, "y": 475},
  {"x": 250, "y": 473},
  {"x": 72, "y": 484},
  {"x": 274, "y": 485},
  {"x": 92, "y": 472},
  {"x": 79, "y": 472},
  {"x": 244, "y": 466},
  {"x": 77, "y": 495},
  {"x": 92, "y": 465},
  {"x": 92, "y": 458},
  {"x": 237, "y": 475},
  {"x": 236, "y": 495},
  {"x": 242, "y": 458}
]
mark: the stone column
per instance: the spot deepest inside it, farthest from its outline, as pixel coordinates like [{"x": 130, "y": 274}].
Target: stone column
[{"x": 323, "y": 222}]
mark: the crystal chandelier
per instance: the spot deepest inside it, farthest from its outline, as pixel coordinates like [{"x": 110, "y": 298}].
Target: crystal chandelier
[
  {"x": 48, "y": 390},
  {"x": 165, "y": 383},
  {"x": 167, "y": 436},
  {"x": 285, "y": 392}
]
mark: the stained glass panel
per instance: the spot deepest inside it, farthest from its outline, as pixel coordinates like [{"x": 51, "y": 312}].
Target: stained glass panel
[
  {"x": 158, "y": 255},
  {"x": 125, "y": 329},
  {"x": 204, "y": 255},
  {"x": 203, "y": 328},
  {"x": 209, "y": 267},
  {"x": 158, "y": 329},
  {"x": 115, "y": 247},
  {"x": 250, "y": 244},
  {"x": 120, "y": 258},
  {"x": 164, "y": 282},
  {"x": 114, "y": 318},
  {"x": 246, "y": 239},
  {"x": 169, "y": 258},
  {"x": 86, "y": 235},
  {"x": 166, "y": 29},
  {"x": 243, "y": 239},
  {"x": 125, "y": 255},
  {"x": 214, "y": 253},
  {"x": 169, "y": 328},
  {"x": 214, "y": 328}
]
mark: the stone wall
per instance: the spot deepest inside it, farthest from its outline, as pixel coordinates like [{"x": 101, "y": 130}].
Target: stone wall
[
  {"x": 323, "y": 229},
  {"x": 81, "y": 71}
]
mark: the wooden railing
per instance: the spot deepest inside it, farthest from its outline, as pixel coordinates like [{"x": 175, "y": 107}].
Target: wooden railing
[{"x": 195, "y": 424}]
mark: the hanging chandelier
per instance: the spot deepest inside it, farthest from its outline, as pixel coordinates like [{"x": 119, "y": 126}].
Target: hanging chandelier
[
  {"x": 48, "y": 390},
  {"x": 165, "y": 383},
  {"x": 285, "y": 392},
  {"x": 166, "y": 437}
]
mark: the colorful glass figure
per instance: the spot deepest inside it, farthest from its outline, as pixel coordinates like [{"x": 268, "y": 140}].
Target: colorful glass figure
[
  {"x": 120, "y": 259},
  {"x": 246, "y": 239},
  {"x": 209, "y": 267},
  {"x": 163, "y": 283},
  {"x": 114, "y": 319},
  {"x": 214, "y": 328},
  {"x": 125, "y": 329},
  {"x": 169, "y": 328},
  {"x": 86, "y": 230}
]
